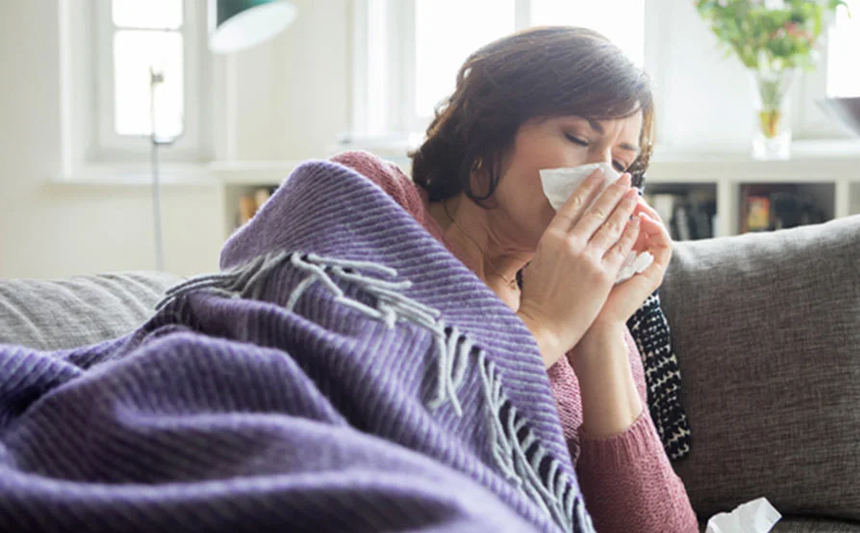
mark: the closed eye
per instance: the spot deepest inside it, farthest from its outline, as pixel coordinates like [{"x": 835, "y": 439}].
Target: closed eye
[
  {"x": 576, "y": 140},
  {"x": 619, "y": 166}
]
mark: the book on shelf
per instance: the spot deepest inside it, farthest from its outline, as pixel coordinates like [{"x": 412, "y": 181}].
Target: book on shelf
[
  {"x": 768, "y": 207},
  {"x": 681, "y": 223},
  {"x": 252, "y": 202},
  {"x": 758, "y": 213},
  {"x": 261, "y": 196},
  {"x": 687, "y": 216},
  {"x": 247, "y": 208},
  {"x": 664, "y": 204}
]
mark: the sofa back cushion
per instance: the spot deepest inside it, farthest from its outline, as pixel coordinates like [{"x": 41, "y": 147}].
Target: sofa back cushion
[
  {"x": 53, "y": 315},
  {"x": 767, "y": 332}
]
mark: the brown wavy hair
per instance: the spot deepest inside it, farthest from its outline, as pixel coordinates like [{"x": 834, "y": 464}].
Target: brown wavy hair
[{"x": 535, "y": 73}]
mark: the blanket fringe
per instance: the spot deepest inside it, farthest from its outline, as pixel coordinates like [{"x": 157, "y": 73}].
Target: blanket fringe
[{"x": 516, "y": 450}]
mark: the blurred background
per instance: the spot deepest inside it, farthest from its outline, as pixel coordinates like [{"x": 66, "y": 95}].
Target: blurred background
[{"x": 77, "y": 102}]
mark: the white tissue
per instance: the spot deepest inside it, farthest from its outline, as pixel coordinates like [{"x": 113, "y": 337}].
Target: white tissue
[
  {"x": 559, "y": 183},
  {"x": 757, "y": 516},
  {"x": 634, "y": 264}
]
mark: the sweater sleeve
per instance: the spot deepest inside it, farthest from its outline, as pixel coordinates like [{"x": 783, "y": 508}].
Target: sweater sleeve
[
  {"x": 633, "y": 468},
  {"x": 630, "y": 467}
]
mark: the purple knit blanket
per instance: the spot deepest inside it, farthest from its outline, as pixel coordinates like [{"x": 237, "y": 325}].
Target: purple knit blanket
[{"x": 343, "y": 372}]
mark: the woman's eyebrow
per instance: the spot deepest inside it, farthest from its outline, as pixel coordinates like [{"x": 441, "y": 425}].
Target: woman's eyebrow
[{"x": 596, "y": 127}]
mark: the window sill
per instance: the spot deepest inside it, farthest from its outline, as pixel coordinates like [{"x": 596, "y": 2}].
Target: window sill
[
  {"x": 251, "y": 172},
  {"x": 125, "y": 175},
  {"x": 211, "y": 174},
  {"x": 801, "y": 150},
  {"x": 811, "y": 160},
  {"x": 394, "y": 148}
]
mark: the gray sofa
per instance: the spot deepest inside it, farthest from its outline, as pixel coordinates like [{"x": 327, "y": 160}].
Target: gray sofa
[{"x": 767, "y": 332}]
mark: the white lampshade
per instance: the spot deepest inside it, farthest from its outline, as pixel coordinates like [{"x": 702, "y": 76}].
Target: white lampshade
[{"x": 239, "y": 24}]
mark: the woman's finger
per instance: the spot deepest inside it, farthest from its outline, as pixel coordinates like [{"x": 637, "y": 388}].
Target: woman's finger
[
  {"x": 572, "y": 209},
  {"x": 643, "y": 206},
  {"x": 641, "y": 241},
  {"x": 596, "y": 215},
  {"x": 608, "y": 234},
  {"x": 619, "y": 251},
  {"x": 655, "y": 228},
  {"x": 659, "y": 241}
]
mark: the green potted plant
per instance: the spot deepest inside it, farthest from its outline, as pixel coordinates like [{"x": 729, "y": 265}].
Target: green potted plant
[{"x": 773, "y": 39}]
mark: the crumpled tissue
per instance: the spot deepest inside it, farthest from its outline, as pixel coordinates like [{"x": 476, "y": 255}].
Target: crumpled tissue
[
  {"x": 559, "y": 183},
  {"x": 757, "y": 516}
]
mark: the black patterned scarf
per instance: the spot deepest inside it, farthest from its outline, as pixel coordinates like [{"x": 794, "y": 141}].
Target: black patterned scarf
[{"x": 650, "y": 330}]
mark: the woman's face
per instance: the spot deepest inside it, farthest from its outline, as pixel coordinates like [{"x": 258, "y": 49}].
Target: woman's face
[{"x": 554, "y": 143}]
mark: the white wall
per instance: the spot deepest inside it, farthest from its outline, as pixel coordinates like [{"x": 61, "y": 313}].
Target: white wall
[
  {"x": 704, "y": 100},
  {"x": 292, "y": 102},
  {"x": 52, "y": 231},
  {"x": 287, "y": 100},
  {"x": 293, "y": 92}
]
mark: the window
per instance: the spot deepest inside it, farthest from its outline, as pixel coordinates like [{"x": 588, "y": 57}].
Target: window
[
  {"x": 836, "y": 75},
  {"x": 438, "y": 59},
  {"x": 843, "y": 76},
  {"x": 627, "y": 31},
  {"x": 133, "y": 38},
  {"x": 423, "y": 46},
  {"x": 147, "y": 36}
]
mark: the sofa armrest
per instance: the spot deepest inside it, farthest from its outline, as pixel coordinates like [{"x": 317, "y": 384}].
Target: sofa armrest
[
  {"x": 53, "y": 315},
  {"x": 766, "y": 328}
]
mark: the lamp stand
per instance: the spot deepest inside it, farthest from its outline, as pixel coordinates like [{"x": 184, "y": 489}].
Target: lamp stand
[{"x": 156, "y": 78}]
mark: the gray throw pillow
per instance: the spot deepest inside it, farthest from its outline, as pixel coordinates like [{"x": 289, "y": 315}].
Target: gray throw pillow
[
  {"x": 53, "y": 315},
  {"x": 767, "y": 332}
]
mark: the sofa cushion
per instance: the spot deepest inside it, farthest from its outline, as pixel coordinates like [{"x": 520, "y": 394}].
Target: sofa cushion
[
  {"x": 814, "y": 525},
  {"x": 52, "y": 315},
  {"x": 767, "y": 332},
  {"x": 789, "y": 524}
]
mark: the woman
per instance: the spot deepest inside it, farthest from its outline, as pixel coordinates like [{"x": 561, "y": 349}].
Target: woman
[
  {"x": 345, "y": 372},
  {"x": 550, "y": 98}
]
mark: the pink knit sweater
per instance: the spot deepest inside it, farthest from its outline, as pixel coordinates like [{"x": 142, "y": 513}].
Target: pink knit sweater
[{"x": 626, "y": 479}]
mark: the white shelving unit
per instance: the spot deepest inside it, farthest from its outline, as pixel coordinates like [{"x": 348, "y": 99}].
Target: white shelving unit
[
  {"x": 854, "y": 198},
  {"x": 829, "y": 171},
  {"x": 239, "y": 178}
]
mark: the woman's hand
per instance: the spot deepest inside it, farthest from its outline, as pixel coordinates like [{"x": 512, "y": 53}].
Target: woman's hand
[
  {"x": 625, "y": 298},
  {"x": 576, "y": 263}
]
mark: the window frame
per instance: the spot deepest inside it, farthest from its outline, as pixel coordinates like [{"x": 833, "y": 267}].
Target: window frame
[
  {"x": 809, "y": 120},
  {"x": 106, "y": 145},
  {"x": 396, "y": 101}
]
